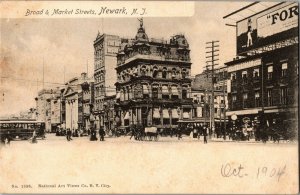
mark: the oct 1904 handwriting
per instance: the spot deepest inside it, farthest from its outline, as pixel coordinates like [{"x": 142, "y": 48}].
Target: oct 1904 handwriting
[{"x": 239, "y": 171}]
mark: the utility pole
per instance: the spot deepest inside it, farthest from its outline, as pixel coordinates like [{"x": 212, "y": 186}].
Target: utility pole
[
  {"x": 224, "y": 80},
  {"x": 213, "y": 49}
]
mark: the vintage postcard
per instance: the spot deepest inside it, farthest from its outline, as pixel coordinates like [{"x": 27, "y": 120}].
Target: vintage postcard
[{"x": 149, "y": 97}]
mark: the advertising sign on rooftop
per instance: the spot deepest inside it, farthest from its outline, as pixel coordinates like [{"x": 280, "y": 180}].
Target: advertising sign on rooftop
[{"x": 274, "y": 24}]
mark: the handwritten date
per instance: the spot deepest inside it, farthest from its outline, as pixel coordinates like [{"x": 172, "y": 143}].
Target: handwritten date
[{"x": 239, "y": 171}]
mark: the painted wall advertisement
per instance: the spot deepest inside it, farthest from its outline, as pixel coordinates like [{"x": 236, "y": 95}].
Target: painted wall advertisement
[{"x": 275, "y": 24}]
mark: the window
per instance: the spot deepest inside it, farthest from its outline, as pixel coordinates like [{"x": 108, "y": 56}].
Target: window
[
  {"x": 155, "y": 72},
  {"x": 164, "y": 73},
  {"x": 270, "y": 98},
  {"x": 256, "y": 73},
  {"x": 184, "y": 93},
  {"x": 233, "y": 76},
  {"x": 257, "y": 99},
  {"x": 283, "y": 96},
  {"x": 173, "y": 73},
  {"x": 184, "y": 74},
  {"x": 165, "y": 92},
  {"x": 202, "y": 98},
  {"x": 270, "y": 72},
  {"x": 174, "y": 92},
  {"x": 244, "y": 74},
  {"x": 155, "y": 91},
  {"x": 284, "y": 67},
  {"x": 145, "y": 91},
  {"x": 245, "y": 98}
]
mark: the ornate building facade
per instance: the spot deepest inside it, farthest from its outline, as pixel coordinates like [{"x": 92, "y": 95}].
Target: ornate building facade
[{"x": 153, "y": 81}]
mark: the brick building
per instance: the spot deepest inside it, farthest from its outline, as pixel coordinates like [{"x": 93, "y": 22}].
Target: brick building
[{"x": 264, "y": 77}]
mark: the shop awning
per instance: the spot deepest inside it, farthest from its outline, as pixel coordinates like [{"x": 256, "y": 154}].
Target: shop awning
[
  {"x": 118, "y": 95},
  {"x": 92, "y": 118},
  {"x": 166, "y": 113},
  {"x": 175, "y": 113},
  {"x": 145, "y": 89},
  {"x": 156, "y": 113},
  {"x": 186, "y": 115},
  {"x": 165, "y": 90},
  {"x": 126, "y": 116},
  {"x": 174, "y": 90}
]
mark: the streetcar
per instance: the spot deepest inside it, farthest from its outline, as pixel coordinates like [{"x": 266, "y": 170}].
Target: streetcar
[{"x": 21, "y": 129}]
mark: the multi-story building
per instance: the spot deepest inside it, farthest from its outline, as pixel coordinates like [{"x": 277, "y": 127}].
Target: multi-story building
[
  {"x": 153, "y": 81},
  {"x": 87, "y": 102},
  {"x": 105, "y": 61},
  {"x": 109, "y": 112},
  {"x": 55, "y": 108},
  {"x": 264, "y": 77},
  {"x": 74, "y": 103},
  {"x": 202, "y": 97},
  {"x": 43, "y": 107}
]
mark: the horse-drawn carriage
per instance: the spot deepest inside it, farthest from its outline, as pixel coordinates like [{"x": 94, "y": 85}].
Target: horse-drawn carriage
[{"x": 151, "y": 133}]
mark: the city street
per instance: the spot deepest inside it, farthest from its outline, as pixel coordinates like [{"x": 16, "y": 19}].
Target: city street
[{"x": 133, "y": 166}]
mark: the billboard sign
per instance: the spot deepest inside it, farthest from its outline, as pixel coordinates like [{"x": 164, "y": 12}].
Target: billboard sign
[{"x": 274, "y": 24}]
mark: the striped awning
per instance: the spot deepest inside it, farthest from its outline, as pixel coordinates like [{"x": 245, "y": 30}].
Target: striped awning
[
  {"x": 145, "y": 89},
  {"x": 166, "y": 113},
  {"x": 165, "y": 90},
  {"x": 186, "y": 115},
  {"x": 118, "y": 95},
  {"x": 156, "y": 113},
  {"x": 174, "y": 90},
  {"x": 175, "y": 113},
  {"x": 126, "y": 116}
]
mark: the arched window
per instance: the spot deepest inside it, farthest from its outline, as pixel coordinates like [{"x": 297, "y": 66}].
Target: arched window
[
  {"x": 183, "y": 73},
  {"x": 143, "y": 71},
  {"x": 165, "y": 92},
  {"x": 184, "y": 93},
  {"x": 155, "y": 72},
  {"x": 155, "y": 91},
  {"x": 173, "y": 73},
  {"x": 164, "y": 73}
]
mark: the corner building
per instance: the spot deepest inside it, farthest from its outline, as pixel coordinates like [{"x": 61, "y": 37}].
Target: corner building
[
  {"x": 264, "y": 77},
  {"x": 153, "y": 81}
]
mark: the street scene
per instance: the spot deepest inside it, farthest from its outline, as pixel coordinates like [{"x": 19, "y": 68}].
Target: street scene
[
  {"x": 151, "y": 104},
  {"x": 148, "y": 87}
]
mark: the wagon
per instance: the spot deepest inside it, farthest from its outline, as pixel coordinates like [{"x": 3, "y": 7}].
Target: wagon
[{"x": 151, "y": 133}]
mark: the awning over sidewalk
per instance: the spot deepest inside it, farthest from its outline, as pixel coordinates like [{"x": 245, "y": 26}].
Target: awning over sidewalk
[
  {"x": 156, "y": 113},
  {"x": 175, "y": 113},
  {"x": 126, "y": 116},
  {"x": 166, "y": 113}
]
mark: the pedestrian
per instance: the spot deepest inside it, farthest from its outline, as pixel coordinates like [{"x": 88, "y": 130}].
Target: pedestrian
[
  {"x": 8, "y": 138},
  {"x": 69, "y": 133},
  {"x": 101, "y": 133},
  {"x": 33, "y": 139},
  {"x": 93, "y": 135},
  {"x": 205, "y": 134},
  {"x": 180, "y": 130},
  {"x": 195, "y": 133}
]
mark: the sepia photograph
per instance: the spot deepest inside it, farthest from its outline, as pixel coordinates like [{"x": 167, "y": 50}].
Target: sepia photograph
[{"x": 149, "y": 97}]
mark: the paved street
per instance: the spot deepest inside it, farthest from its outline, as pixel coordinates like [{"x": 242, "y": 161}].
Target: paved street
[
  {"x": 51, "y": 139},
  {"x": 133, "y": 166}
]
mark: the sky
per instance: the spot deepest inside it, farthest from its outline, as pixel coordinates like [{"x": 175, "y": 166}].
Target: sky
[{"x": 27, "y": 44}]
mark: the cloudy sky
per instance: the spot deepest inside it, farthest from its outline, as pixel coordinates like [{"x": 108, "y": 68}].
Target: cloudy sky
[{"x": 69, "y": 43}]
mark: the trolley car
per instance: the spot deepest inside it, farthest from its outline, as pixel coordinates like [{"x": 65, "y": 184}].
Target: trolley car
[{"x": 21, "y": 129}]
